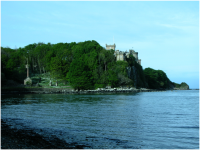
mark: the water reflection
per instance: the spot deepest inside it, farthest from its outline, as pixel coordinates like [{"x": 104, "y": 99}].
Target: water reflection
[{"x": 59, "y": 98}]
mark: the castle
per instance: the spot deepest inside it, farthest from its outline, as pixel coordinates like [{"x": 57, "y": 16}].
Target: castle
[{"x": 119, "y": 55}]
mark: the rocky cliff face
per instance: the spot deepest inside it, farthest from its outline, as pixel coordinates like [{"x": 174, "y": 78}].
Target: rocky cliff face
[{"x": 132, "y": 74}]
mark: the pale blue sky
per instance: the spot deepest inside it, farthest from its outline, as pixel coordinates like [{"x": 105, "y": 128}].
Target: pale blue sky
[{"x": 165, "y": 34}]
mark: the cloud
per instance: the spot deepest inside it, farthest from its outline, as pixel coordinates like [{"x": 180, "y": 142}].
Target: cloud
[{"x": 184, "y": 28}]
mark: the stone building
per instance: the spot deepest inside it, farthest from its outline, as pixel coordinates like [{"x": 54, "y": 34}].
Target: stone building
[
  {"x": 109, "y": 47},
  {"x": 119, "y": 55}
]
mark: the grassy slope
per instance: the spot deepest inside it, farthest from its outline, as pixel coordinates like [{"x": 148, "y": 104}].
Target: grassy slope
[{"x": 45, "y": 80}]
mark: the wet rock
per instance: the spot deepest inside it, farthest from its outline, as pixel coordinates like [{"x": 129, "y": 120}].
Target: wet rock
[{"x": 12, "y": 138}]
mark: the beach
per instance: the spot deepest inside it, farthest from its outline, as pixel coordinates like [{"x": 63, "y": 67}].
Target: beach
[{"x": 12, "y": 138}]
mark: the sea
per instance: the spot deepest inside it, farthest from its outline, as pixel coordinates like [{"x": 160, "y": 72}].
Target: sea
[{"x": 142, "y": 120}]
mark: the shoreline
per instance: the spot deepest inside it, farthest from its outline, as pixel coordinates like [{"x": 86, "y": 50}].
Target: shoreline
[
  {"x": 16, "y": 90},
  {"x": 13, "y": 138}
]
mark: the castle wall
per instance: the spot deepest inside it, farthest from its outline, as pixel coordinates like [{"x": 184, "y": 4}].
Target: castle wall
[
  {"x": 109, "y": 47},
  {"x": 123, "y": 55},
  {"x": 120, "y": 57},
  {"x": 135, "y": 54}
]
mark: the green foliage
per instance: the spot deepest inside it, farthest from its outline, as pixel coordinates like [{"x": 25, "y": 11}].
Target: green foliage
[
  {"x": 131, "y": 60},
  {"x": 176, "y": 85},
  {"x": 86, "y": 65},
  {"x": 80, "y": 76},
  {"x": 28, "y": 83},
  {"x": 183, "y": 85},
  {"x": 10, "y": 64},
  {"x": 84, "y": 62},
  {"x": 141, "y": 81},
  {"x": 112, "y": 78},
  {"x": 138, "y": 79},
  {"x": 156, "y": 79},
  {"x": 121, "y": 66}
]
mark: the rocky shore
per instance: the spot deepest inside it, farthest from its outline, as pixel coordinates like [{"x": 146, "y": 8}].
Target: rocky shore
[
  {"x": 13, "y": 138},
  {"x": 71, "y": 91}
]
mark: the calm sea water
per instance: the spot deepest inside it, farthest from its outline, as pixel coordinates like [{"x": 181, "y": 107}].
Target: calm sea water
[{"x": 151, "y": 120}]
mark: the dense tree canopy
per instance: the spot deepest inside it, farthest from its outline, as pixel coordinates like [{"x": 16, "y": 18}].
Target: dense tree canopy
[
  {"x": 156, "y": 79},
  {"x": 83, "y": 65}
]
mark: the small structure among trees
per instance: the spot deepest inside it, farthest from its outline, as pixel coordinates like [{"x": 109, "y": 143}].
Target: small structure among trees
[{"x": 28, "y": 80}]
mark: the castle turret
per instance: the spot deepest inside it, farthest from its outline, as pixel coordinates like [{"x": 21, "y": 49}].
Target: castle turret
[
  {"x": 135, "y": 54},
  {"x": 109, "y": 47}
]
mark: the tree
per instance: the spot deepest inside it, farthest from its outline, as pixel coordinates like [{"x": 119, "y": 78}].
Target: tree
[
  {"x": 131, "y": 60},
  {"x": 156, "y": 79},
  {"x": 55, "y": 67},
  {"x": 79, "y": 75}
]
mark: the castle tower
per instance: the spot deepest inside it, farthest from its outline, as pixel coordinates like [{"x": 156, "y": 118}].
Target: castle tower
[
  {"x": 122, "y": 56},
  {"x": 135, "y": 54},
  {"x": 109, "y": 47},
  {"x": 119, "y": 55}
]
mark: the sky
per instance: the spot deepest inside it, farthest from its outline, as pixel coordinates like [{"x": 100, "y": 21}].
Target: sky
[{"x": 164, "y": 33}]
